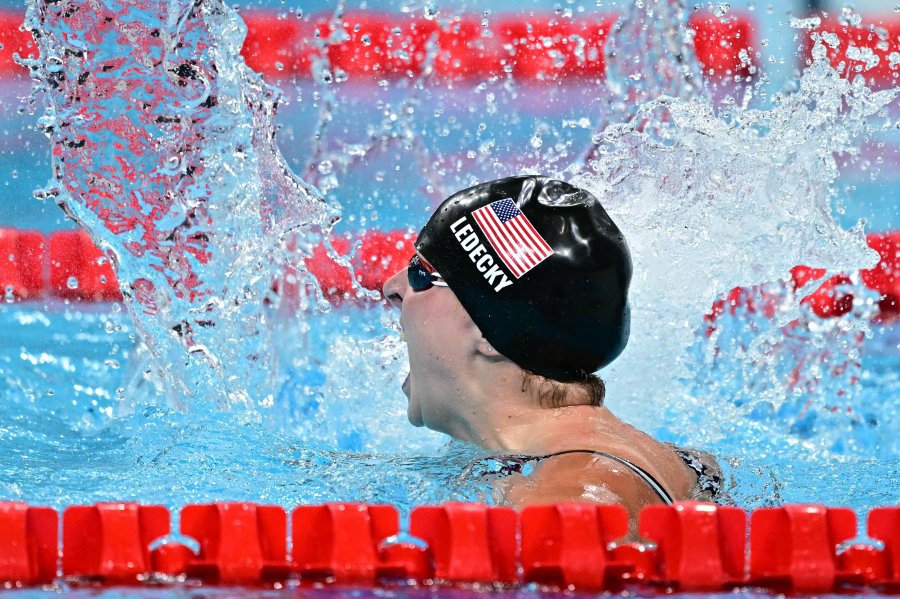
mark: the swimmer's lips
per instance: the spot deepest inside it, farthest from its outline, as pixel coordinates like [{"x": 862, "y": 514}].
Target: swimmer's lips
[{"x": 405, "y": 385}]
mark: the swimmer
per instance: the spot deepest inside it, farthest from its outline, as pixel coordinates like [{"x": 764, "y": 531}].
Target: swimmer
[{"x": 516, "y": 296}]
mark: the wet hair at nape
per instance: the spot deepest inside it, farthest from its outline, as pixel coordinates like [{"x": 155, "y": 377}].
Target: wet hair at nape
[{"x": 555, "y": 394}]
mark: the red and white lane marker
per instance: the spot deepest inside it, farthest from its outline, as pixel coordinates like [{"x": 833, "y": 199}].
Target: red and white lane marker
[
  {"x": 377, "y": 45},
  {"x": 67, "y": 265},
  {"x": 690, "y": 546}
]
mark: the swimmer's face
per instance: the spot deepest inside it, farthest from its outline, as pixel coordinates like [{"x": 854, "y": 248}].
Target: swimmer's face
[{"x": 439, "y": 335}]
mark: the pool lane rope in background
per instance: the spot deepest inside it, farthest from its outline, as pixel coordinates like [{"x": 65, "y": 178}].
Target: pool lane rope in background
[
  {"x": 66, "y": 265},
  {"x": 542, "y": 47}
]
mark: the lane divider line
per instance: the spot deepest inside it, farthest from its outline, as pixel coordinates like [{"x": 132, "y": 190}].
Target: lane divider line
[
  {"x": 378, "y": 45},
  {"x": 67, "y": 265},
  {"x": 689, "y": 546},
  {"x": 540, "y": 47}
]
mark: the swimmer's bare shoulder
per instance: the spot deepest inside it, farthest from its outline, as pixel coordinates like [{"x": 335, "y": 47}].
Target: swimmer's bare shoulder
[{"x": 579, "y": 478}]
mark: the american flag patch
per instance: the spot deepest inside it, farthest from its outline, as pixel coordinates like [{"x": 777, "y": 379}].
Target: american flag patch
[{"x": 512, "y": 236}]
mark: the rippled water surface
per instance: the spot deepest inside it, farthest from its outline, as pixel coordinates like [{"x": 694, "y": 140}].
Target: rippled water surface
[{"x": 68, "y": 438}]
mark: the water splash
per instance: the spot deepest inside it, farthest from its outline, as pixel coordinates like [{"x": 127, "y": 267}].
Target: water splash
[
  {"x": 801, "y": 378},
  {"x": 728, "y": 196},
  {"x": 649, "y": 54},
  {"x": 344, "y": 385},
  {"x": 163, "y": 150},
  {"x": 336, "y": 152}
]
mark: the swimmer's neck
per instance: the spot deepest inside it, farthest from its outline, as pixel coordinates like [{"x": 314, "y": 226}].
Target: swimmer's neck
[
  {"x": 551, "y": 430},
  {"x": 507, "y": 418}
]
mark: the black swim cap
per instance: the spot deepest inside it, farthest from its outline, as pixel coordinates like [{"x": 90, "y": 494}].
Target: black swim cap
[{"x": 541, "y": 269}]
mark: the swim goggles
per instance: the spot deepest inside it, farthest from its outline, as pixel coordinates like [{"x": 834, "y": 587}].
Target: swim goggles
[{"x": 421, "y": 275}]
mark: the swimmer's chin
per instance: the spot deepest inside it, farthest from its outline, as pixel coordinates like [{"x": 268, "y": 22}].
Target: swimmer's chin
[
  {"x": 412, "y": 411},
  {"x": 414, "y": 416}
]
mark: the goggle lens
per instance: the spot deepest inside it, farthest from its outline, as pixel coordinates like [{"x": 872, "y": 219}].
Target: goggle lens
[{"x": 421, "y": 277}]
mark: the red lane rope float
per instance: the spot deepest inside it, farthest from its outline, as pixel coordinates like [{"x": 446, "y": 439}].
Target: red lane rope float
[
  {"x": 567, "y": 544},
  {"x": 536, "y": 47},
  {"x": 468, "y": 542},
  {"x": 79, "y": 270},
  {"x": 340, "y": 542},
  {"x": 719, "y": 42},
  {"x": 29, "y": 544},
  {"x": 239, "y": 543},
  {"x": 690, "y": 546},
  {"x": 539, "y": 47},
  {"x": 374, "y": 46},
  {"x": 22, "y": 263},
  {"x": 699, "y": 549},
  {"x": 380, "y": 255},
  {"x": 14, "y": 41},
  {"x": 790, "y": 547},
  {"x": 125, "y": 531},
  {"x": 67, "y": 265}
]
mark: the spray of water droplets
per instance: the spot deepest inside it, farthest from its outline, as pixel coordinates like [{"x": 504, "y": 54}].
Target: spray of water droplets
[{"x": 163, "y": 150}]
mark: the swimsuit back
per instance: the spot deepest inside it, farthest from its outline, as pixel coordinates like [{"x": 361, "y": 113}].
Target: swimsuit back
[
  {"x": 707, "y": 488},
  {"x": 643, "y": 474}
]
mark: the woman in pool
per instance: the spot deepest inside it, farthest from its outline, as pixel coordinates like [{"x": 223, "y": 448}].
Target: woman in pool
[{"x": 516, "y": 296}]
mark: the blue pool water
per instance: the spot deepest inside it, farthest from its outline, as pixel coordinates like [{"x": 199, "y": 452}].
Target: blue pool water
[
  {"x": 88, "y": 413},
  {"x": 70, "y": 437}
]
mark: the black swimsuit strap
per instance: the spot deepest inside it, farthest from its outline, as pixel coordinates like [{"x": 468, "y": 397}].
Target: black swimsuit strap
[{"x": 645, "y": 476}]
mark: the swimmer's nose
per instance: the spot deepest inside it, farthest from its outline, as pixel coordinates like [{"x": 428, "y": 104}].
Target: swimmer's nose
[{"x": 395, "y": 288}]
